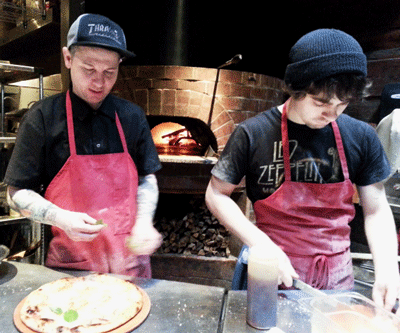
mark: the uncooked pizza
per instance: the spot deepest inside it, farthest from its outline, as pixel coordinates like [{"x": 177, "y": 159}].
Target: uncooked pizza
[{"x": 95, "y": 303}]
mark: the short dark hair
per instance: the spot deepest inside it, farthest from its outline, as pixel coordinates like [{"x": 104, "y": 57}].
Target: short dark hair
[{"x": 345, "y": 86}]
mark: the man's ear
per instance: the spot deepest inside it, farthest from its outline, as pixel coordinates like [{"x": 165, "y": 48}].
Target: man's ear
[{"x": 67, "y": 57}]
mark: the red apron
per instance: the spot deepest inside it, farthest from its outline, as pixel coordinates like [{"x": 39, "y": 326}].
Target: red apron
[
  {"x": 310, "y": 222},
  {"x": 104, "y": 187}
]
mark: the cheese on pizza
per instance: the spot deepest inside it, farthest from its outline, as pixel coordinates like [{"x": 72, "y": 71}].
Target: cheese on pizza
[{"x": 95, "y": 303}]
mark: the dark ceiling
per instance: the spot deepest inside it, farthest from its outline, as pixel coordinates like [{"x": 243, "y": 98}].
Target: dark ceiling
[
  {"x": 208, "y": 33},
  {"x": 212, "y": 32}
]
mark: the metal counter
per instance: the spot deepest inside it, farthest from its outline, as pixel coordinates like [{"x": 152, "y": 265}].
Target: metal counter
[
  {"x": 292, "y": 316},
  {"x": 175, "y": 306}
]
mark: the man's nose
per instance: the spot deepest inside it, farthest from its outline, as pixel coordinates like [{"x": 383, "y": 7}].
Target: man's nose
[
  {"x": 331, "y": 112},
  {"x": 98, "y": 79}
]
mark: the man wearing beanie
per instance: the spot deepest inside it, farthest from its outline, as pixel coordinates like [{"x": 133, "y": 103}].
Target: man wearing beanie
[
  {"x": 301, "y": 161},
  {"x": 84, "y": 162}
]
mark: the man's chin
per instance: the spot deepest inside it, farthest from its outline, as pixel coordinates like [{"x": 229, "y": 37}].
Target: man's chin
[{"x": 318, "y": 124}]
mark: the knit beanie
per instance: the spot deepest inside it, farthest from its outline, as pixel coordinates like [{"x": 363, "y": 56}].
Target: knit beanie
[{"x": 323, "y": 53}]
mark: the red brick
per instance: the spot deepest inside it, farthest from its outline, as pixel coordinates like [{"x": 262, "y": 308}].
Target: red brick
[
  {"x": 165, "y": 84},
  {"x": 196, "y": 99},
  {"x": 179, "y": 72},
  {"x": 221, "y": 142},
  {"x": 141, "y": 98},
  {"x": 199, "y": 86},
  {"x": 224, "y": 130},
  {"x": 240, "y": 91},
  {"x": 223, "y": 89},
  {"x": 168, "y": 110},
  {"x": 239, "y": 116},
  {"x": 168, "y": 97},
  {"x": 155, "y": 101},
  {"x": 230, "y": 76},
  {"x": 151, "y": 71},
  {"x": 205, "y": 74},
  {"x": 182, "y": 97},
  {"x": 232, "y": 103}
]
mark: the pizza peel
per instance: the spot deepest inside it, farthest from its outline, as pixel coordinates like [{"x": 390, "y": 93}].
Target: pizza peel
[{"x": 124, "y": 328}]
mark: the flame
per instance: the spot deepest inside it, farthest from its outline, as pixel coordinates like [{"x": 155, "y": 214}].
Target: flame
[
  {"x": 174, "y": 139},
  {"x": 172, "y": 134},
  {"x": 162, "y": 129}
]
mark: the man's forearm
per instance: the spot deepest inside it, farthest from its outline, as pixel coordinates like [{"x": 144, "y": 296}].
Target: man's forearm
[
  {"x": 147, "y": 197},
  {"x": 382, "y": 240},
  {"x": 32, "y": 205}
]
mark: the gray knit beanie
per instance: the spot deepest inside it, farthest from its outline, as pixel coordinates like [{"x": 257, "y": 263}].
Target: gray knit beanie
[{"x": 323, "y": 53}]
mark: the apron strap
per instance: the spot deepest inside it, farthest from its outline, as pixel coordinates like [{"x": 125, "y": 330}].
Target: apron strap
[
  {"x": 340, "y": 148},
  {"x": 121, "y": 133},
  {"x": 286, "y": 153},
  {"x": 285, "y": 144},
  {"x": 318, "y": 274},
  {"x": 70, "y": 126}
]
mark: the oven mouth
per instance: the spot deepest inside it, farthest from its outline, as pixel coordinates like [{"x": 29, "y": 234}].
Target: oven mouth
[{"x": 175, "y": 136}]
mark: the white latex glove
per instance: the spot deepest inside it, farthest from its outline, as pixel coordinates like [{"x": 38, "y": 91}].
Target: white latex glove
[{"x": 144, "y": 238}]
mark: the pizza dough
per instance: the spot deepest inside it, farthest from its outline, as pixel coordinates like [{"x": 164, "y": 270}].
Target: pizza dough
[{"x": 95, "y": 303}]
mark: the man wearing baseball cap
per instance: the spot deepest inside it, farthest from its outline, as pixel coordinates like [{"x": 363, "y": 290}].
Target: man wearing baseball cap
[
  {"x": 301, "y": 161},
  {"x": 84, "y": 162}
]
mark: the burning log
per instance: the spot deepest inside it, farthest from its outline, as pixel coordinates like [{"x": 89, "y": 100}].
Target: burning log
[{"x": 197, "y": 233}]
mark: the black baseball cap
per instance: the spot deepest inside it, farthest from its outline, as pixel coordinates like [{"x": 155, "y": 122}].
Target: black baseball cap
[{"x": 98, "y": 31}]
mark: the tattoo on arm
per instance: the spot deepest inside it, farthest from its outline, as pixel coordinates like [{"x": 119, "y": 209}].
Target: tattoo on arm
[{"x": 32, "y": 206}]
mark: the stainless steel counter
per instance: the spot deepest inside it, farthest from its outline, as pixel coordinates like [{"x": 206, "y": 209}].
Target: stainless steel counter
[
  {"x": 292, "y": 317},
  {"x": 175, "y": 306}
]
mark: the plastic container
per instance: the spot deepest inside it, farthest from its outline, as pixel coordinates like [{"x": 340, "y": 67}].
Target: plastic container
[
  {"x": 262, "y": 287},
  {"x": 349, "y": 313}
]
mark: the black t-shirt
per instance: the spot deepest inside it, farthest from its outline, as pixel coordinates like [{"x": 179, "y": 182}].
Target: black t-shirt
[
  {"x": 42, "y": 146},
  {"x": 254, "y": 150}
]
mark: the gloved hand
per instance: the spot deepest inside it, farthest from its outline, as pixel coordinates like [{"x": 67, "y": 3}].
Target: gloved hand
[
  {"x": 144, "y": 238},
  {"x": 286, "y": 272},
  {"x": 77, "y": 226}
]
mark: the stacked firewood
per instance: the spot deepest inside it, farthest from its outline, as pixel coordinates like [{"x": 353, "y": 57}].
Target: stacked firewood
[{"x": 197, "y": 233}]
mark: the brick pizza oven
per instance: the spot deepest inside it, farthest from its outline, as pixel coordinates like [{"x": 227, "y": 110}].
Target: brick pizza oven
[
  {"x": 191, "y": 117},
  {"x": 184, "y": 96}
]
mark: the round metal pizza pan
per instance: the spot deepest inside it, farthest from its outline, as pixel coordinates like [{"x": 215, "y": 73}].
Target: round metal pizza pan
[{"x": 124, "y": 328}]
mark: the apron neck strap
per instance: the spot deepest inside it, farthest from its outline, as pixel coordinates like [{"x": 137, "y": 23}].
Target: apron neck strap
[
  {"x": 70, "y": 126},
  {"x": 285, "y": 144},
  {"x": 286, "y": 153}
]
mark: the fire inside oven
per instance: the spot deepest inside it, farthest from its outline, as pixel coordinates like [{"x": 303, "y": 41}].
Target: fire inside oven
[
  {"x": 174, "y": 139},
  {"x": 181, "y": 136}
]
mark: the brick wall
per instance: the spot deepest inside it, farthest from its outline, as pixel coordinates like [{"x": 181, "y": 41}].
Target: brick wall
[{"x": 188, "y": 91}]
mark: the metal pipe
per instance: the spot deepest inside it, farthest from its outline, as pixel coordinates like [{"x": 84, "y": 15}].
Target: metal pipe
[
  {"x": 43, "y": 9},
  {"x": 24, "y": 14},
  {"x": 232, "y": 61},
  {"x": 2, "y": 109},
  {"x": 41, "y": 90}
]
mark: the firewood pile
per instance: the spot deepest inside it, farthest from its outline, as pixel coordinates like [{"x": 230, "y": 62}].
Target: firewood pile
[{"x": 197, "y": 233}]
